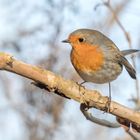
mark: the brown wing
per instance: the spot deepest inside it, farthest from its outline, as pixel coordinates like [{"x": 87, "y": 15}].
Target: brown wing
[
  {"x": 128, "y": 67},
  {"x": 118, "y": 56},
  {"x": 130, "y": 51}
]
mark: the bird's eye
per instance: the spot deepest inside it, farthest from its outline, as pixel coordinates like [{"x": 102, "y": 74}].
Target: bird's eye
[{"x": 81, "y": 39}]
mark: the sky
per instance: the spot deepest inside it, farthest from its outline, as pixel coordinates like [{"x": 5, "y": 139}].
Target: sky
[{"x": 24, "y": 16}]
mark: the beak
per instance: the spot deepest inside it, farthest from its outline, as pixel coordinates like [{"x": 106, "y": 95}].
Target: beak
[{"x": 66, "y": 41}]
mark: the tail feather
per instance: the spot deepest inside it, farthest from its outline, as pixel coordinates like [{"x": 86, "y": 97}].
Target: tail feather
[
  {"x": 128, "y": 67},
  {"x": 130, "y": 51}
]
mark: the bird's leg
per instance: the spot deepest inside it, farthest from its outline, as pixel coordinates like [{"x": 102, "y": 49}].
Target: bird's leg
[
  {"x": 109, "y": 101},
  {"x": 82, "y": 83},
  {"x": 109, "y": 91},
  {"x": 82, "y": 100}
]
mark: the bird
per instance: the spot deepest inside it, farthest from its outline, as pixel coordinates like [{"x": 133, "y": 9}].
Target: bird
[{"x": 96, "y": 58}]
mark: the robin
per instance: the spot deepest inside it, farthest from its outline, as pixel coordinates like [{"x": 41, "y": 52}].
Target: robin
[{"x": 96, "y": 58}]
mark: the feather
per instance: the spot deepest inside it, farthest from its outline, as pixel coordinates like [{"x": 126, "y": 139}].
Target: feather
[{"x": 130, "y": 51}]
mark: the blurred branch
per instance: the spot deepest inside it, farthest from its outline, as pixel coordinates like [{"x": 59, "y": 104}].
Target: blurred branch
[
  {"x": 127, "y": 36},
  {"x": 70, "y": 89},
  {"x": 102, "y": 122}
]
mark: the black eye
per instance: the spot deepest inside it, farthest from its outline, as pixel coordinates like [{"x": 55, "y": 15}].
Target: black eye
[{"x": 81, "y": 39}]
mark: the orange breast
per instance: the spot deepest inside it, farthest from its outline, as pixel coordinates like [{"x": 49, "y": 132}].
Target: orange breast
[{"x": 87, "y": 58}]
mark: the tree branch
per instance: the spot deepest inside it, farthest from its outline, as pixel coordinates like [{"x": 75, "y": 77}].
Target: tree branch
[
  {"x": 67, "y": 88},
  {"x": 99, "y": 121}
]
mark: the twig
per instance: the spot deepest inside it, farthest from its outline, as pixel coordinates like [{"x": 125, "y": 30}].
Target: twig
[
  {"x": 102, "y": 122},
  {"x": 128, "y": 38}
]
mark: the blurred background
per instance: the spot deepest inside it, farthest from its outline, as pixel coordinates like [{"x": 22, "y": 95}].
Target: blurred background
[{"x": 32, "y": 31}]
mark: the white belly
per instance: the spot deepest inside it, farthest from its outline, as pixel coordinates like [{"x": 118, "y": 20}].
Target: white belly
[{"x": 106, "y": 74}]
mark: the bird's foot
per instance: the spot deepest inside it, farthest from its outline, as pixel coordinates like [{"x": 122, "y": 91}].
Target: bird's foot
[
  {"x": 82, "y": 92},
  {"x": 108, "y": 105}
]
